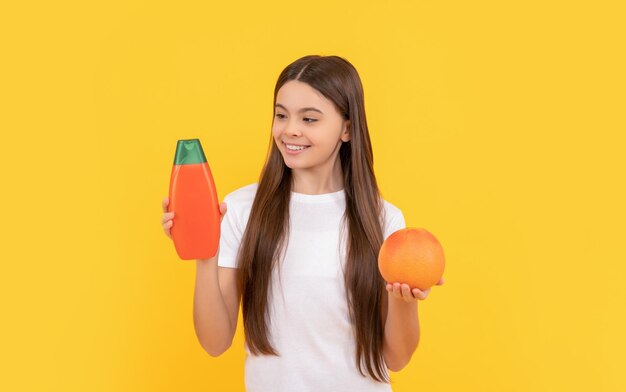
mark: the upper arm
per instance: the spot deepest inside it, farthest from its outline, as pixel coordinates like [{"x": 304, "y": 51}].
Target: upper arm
[
  {"x": 229, "y": 288},
  {"x": 231, "y": 233}
]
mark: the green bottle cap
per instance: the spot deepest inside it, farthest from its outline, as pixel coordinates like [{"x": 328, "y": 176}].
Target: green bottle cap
[{"x": 188, "y": 152}]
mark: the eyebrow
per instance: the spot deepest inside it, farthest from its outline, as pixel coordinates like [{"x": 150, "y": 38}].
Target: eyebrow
[{"x": 303, "y": 109}]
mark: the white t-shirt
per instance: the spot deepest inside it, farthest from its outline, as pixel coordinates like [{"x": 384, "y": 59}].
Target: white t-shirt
[{"x": 309, "y": 321}]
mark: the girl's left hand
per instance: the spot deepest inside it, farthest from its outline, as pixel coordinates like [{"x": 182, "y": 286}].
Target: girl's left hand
[{"x": 403, "y": 291}]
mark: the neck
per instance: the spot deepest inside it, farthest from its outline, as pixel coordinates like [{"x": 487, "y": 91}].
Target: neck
[{"x": 318, "y": 180}]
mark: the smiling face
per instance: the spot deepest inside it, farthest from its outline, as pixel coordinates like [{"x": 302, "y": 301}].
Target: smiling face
[{"x": 307, "y": 127}]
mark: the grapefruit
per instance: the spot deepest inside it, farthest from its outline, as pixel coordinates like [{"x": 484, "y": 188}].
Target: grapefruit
[{"x": 413, "y": 256}]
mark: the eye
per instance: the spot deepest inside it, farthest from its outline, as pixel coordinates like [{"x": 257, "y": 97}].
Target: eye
[{"x": 306, "y": 119}]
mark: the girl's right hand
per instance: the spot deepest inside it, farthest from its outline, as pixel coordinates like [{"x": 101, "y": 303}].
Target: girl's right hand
[{"x": 168, "y": 217}]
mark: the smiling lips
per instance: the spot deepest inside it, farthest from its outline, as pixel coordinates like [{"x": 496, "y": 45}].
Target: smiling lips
[{"x": 295, "y": 148}]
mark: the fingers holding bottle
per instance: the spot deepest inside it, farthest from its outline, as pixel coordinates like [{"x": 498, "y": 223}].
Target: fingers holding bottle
[{"x": 167, "y": 219}]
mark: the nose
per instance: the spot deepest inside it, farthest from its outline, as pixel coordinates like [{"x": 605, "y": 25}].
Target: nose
[{"x": 293, "y": 129}]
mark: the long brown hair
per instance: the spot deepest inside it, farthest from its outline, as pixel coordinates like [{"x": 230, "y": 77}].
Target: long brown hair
[{"x": 266, "y": 232}]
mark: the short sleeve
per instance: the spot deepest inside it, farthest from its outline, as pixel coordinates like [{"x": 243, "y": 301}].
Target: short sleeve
[
  {"x": 394, "y": 221},
  {"x": 230, "y": 236}
]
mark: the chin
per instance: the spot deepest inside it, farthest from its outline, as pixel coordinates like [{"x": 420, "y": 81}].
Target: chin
[{"x": 294, "y": 165}]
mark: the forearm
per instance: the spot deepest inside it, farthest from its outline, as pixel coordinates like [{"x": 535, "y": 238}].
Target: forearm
[
  {"x": 402, "y": 333},
  {"x": 210, "y": 315}
]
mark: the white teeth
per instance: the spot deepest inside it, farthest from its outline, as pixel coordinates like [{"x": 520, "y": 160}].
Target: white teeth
[{"x": 295, "y": 148}]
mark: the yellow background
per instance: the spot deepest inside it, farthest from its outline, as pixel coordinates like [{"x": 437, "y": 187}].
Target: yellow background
[{"x": 498, "y": 126}]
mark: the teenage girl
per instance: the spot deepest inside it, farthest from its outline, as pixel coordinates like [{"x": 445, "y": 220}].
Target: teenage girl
[{"x": 298, "y": 249}]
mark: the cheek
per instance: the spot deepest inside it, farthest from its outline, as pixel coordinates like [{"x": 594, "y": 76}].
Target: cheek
[
  {"x": 278, "y": 125},
  {"x": 275, "y": 131}
]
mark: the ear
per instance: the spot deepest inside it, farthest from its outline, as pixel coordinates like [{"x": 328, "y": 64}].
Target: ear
[{"x": 345, "y": 135}]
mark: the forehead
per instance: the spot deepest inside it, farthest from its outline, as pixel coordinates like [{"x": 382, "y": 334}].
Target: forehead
[{"x": 295, "y": 94}]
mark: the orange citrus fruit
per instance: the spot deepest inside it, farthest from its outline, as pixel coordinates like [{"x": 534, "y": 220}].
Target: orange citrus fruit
[{"x": 412, "y": 256}]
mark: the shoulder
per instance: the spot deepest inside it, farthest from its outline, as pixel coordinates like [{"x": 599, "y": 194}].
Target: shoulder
[
  {"x": 391, "y": 212},
  {"x": 391, "y": 209},
  {"x": 242, "y": 196},
  {"x": 393, "y": 218},
  {"x": 239, "y": 204}
]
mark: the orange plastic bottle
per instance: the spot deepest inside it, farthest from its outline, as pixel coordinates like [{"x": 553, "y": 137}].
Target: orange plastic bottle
[{"x": 193, "y": 198}]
